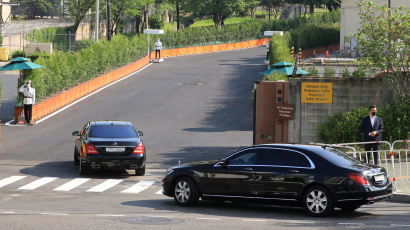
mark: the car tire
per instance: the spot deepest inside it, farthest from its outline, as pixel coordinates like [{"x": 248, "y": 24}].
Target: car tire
[
  {"x": 76, "y": 160},
  {"x": 82, "y": 168},
  {"x": 350, "y": 208},
  {"x": 185, "y": 192},
  {"x": 318, "y": 202},
  {"x": 140, "y": 171}
]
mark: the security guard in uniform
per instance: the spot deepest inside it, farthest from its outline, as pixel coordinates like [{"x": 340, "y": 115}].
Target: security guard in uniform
[
  {"x": 158, "y": 48},
  {"x": 29, "y": 94}
]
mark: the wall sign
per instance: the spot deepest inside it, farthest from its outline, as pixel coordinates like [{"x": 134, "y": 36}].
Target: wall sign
[
  {"x": 284, "y": 111},
  {"x": 315, "y": 92}
]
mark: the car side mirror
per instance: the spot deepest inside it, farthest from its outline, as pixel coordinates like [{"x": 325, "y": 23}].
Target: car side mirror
[
  {"x": 140, "y": 133},
  {"x": 75, "y": 133}
]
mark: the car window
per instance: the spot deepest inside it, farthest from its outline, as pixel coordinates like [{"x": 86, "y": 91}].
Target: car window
[
  {"x": 283, "y": 157},
  {"x": 112, "y": 131},
  {"x": 247, "y": 157},
  {"x": 338, "y": 157}
]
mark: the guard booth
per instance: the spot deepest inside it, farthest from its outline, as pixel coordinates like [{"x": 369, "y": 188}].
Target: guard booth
[{"x": 271, "y": 112}]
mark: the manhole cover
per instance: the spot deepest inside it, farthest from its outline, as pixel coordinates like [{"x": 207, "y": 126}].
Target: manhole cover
[{"x": 151, "y": 220}]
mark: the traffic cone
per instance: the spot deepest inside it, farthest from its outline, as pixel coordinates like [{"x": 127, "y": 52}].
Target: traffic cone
[{"x": 327, "y": 54}]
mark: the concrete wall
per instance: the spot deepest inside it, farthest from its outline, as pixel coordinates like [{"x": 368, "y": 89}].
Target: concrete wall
[
  {"x": 350, "y": 20},
  {"x": 348, "y": 93}
]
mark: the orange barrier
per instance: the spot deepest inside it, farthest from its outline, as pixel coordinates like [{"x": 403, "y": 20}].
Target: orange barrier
[
  {"x": 320, "y": 50},
  {"x": 64, "y": 98}
]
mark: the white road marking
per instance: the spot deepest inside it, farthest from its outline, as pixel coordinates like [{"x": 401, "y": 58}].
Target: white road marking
[
  {"x": 8, "y": 212},
  {"x": 109, "y": 215},
  {"x": 72, "y": 184},
  {"x": 89, "y": 95},
  {"x": 207, "y": 218},
  {"x": 351, "y": 223},
  {"x": 10, "y": 180},
  {"x": 104, "y": 186},
  {"x": 159, "y": 192},
  {"x": 138, "y": 187},
  {"x": 54, "y": 214},
  {"x": 37, "y": 183},
  {"x": 253, "y": 220},
  {"x": 302, "y": 222},
  {"x": 400, "y": 225}
]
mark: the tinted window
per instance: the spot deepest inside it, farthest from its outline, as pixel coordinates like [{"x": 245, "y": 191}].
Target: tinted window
[
  {"x": 112, "y": 131},
  {"x": 247, "y": 157},
  {"x": 338, "y": 157},
  {"x": 283, "y": 157}
]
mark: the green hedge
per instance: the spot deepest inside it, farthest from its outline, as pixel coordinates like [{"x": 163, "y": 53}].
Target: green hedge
[
  {"x": 279, "y": 49},
  {"x": 344, "y": 127},
  {"x": 64, "y": 69},
  {"x": 310, "y": 36}
]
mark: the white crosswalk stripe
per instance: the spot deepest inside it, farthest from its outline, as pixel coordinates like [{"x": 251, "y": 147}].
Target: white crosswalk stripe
[
  {"x": 37, "y": 183},
  {"x": 159, "y": 192},
  {"x": 105, "y": 185},
  {"x": 72, "y": 184},
  {"x": 138, "y": 187},
  {"x": 10, "y": 180}
]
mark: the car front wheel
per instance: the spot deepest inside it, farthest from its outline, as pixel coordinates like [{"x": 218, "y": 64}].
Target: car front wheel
[
  {"x": 318, "y": 202},
  {"x": 185, "y": 192}
]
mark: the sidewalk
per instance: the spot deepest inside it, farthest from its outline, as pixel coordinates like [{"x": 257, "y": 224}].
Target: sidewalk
[{"x": 8, "y": 79}]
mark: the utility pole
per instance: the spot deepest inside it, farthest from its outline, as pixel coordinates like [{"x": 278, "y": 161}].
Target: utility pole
[
  {"x": 108, "y": 21},
  {"x": 97, "y": 20}
]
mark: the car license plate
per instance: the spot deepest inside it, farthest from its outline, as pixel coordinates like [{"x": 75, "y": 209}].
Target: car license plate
[
  {"x": 379, "y": 178},
  {"x": 115, "y": 149}
]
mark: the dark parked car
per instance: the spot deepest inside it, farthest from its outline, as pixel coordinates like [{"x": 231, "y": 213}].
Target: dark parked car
[
  {"x": 109, "y": 144},
  {"x": 317, "y": 178}
]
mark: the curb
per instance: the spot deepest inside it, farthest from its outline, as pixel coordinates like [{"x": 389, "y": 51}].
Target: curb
[{"x": 400, "y": 198}]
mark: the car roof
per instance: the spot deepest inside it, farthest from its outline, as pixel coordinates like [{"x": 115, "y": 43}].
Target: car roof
[
  {"x": 292, "y": 146},
  {"x": 113, "y": 123}
]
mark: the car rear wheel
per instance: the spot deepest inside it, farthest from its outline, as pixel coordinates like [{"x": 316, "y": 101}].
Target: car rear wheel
[
  {"x": 318, "y": 202},
  {"x": 185, "y": 192},
  {"x": 82, "y": 168},
  {"x": 140, "y": 171},
  {"x": 76, "y": 160}
]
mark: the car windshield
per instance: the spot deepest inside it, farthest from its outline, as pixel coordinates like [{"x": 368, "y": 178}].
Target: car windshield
[
  {"x": 338, "y": 157},
  {"x": 112, "y": 131}
]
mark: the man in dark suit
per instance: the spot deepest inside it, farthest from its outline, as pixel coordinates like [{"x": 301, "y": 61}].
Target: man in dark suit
[{"x": 372, "y": 129}]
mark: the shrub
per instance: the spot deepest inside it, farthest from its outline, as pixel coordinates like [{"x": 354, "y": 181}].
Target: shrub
[
  {"x": 346, "y": 72},
  {"x": 310, "y": 36},
  {"x": 359, "y": 73},
  {"x": 313, "y": 71},
  {"x": 329, "y": 71},
  {"x": 344, "y": 127},
  {"x": 275, "y": 77},
  {"x": 18, "y": 53},
  {"x": 279, "y": 49}
]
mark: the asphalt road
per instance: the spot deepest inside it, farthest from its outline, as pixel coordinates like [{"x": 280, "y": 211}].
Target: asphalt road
[{"x": 189, "y": 108}]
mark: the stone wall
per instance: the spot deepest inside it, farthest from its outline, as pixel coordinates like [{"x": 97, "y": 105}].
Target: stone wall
[{"x": 348, "y": 93}]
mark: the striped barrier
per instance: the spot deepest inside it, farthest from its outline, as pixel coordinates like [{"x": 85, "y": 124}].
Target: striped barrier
[{"x": 62, "y": 99}]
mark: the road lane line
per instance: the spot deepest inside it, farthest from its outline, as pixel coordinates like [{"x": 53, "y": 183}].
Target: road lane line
[
  {"x": 54, "y": 214},
  {"x": 72, "y": 184},
  {"x": 351, "y": 223},
  {"x": 110, "y": 215},
  {"x": 208, "y": 218},
  {"x": 105, "y": 185},
  {"x": 138, "y": 187},
  {"x": 37, "y": 183},
  {"x": 10, "y": 180},
  {"x": 89, "y": 95},
  {"x": 159, "y": 192},
  {"x": 254, "y": 220},
  {"x": 400, "y": 225},
  {"x": 8, "y": 212}
]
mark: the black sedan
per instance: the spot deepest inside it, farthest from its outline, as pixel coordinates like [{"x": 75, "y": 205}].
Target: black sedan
[
  {"x": 109, "y": 144},
  {"x": 317, "y": 178}
]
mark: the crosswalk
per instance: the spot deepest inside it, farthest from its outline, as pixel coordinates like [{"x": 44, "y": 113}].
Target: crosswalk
[{"x": 89, "y": 185}]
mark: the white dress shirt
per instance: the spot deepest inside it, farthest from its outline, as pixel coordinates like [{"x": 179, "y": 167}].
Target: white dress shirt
[{"x": 29, "y": 94}]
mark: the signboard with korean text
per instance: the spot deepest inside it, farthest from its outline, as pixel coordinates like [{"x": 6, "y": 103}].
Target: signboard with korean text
[
  {"x": 317, "y": 92},
  {"x": 284, "y": 111}
]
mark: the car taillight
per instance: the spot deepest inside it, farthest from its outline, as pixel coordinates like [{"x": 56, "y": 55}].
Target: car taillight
[
  {"x": 139, "y": 149},
  {"x": 358, "y": 178},
  {"x": 90, "y": 149}
]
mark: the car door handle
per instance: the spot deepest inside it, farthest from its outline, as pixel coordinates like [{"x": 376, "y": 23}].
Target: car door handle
[
  {"x": 294, "y": 171},
  {"x": 248, "y": 169}
]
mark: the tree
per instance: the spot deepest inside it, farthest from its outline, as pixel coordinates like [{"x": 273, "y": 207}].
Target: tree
[
  {"x": 78, "y": 9},
  {"x": 219, "y": 10},
  {"x": 121, "y": 10},
  {"x": 273, "y": 5},
  {"x": 38, "y": 7},
  {"x": 383, "y": 43}
]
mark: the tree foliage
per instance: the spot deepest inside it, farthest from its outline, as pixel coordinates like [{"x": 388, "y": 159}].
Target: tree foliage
[{"x": 384, "y": 41}]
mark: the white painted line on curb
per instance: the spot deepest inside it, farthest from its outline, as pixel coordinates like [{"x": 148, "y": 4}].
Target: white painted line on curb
[
  {"x": 138, "y": 187},
  {"x": 105, "y": 185},
  {"x": 89, "y": 95},
  {"x": 208, "y": 218},
  {"x": 37, "y": 183},
  {"x": 253, "y": 220},
  {"x": 8, "y": 212},
  {"x": 54, "y": 214},
  {"x": 350, "y": 223},
  {"x": 302, "y": 222},
  {"x": 9, "y": 180},
  {"x": 72, "y": 184},
  {"x": 110, "y": 215}
]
